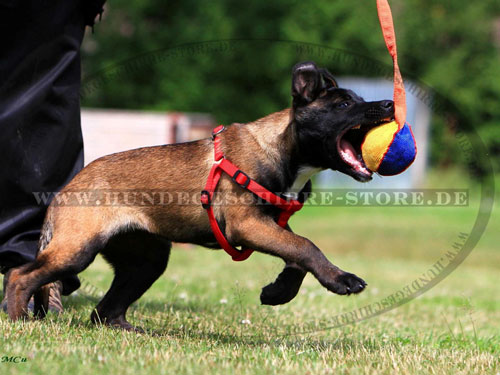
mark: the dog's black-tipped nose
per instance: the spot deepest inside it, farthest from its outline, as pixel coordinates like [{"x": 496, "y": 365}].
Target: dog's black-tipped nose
[{"x": 387, "y": 104}]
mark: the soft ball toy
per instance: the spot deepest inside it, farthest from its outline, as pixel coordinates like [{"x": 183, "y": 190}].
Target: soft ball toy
[{"x": 389, "y": 150}]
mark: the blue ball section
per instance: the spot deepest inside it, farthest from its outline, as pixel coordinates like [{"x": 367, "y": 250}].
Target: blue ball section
[{"x": 401, "y": 153}]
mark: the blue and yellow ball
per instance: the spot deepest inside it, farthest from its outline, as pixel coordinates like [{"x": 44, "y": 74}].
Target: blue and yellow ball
[{"x": 389, "y": 150}]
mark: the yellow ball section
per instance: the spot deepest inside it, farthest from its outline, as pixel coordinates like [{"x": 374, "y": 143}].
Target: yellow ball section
[{"x": 377, "y": 142}]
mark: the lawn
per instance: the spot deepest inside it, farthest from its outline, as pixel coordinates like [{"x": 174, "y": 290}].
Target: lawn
[{"x": 203, "y": 316}]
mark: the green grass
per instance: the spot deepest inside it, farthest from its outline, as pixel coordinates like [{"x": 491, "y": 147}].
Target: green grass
[{"x": 194, "y": 312}]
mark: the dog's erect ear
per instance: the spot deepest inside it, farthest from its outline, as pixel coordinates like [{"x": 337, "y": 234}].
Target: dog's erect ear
[
  {"x": 306, "y": 82},
  {"x": 330, "y": 82}
]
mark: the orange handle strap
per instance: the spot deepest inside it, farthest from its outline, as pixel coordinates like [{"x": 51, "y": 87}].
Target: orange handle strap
[{"x": 387, "y": 25}]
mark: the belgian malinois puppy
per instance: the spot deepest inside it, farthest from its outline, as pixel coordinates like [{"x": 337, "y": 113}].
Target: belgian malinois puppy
[{"x": 323, "y": 129}]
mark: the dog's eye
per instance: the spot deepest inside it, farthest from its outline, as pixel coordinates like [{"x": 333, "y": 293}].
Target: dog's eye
[{"x": 343, "y": 105}]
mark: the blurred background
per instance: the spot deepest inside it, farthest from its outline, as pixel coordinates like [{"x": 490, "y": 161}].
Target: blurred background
[{"x": 168, "y": 60}]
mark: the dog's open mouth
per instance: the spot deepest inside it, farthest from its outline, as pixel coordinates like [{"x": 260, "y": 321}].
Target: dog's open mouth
[{"x": 349, "y": 148}]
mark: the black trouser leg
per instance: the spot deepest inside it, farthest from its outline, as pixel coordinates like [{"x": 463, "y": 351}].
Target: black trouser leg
[{"x": 41, "y": 146}]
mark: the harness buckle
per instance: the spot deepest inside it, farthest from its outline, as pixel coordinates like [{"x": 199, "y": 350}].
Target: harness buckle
[
  {"x": 219, "y": 129},
  {"x": 205, "y": 199},
  {"x": 242, "y": 184}
]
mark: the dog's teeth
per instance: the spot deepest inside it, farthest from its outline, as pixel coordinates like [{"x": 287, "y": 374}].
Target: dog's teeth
[{"x": 357, "y": 127}]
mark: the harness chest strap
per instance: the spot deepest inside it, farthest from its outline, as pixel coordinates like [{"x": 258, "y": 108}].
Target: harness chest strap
[{"x": 221, "y": 164}]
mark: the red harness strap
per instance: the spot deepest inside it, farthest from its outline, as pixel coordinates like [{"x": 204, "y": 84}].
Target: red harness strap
[{"x": 288, "y": 207}]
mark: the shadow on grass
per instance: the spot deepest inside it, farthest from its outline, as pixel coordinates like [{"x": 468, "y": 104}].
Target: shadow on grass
[
  {"x": 145, "y": 315},
  {"x": 149, "y": 315},
  {"x": 149, "y": 307}
]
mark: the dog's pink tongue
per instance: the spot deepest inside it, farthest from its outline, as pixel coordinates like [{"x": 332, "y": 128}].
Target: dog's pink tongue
[{"x": 348, "y": 152}]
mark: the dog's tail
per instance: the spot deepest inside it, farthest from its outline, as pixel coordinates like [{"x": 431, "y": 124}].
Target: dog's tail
[
  {"x": 69, "y": 284},
  {"x": 41, "y": 296},
  {"x": 46, "y": 233}
]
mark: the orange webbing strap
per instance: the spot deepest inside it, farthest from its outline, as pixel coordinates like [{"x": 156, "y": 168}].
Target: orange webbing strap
[{"x": 385, "y": 17}]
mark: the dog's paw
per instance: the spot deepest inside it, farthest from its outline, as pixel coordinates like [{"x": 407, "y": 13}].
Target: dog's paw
[
  {"x": 274, "y": 294},
  {"x": 346, "y": 283},
  {"x": 284, "y": 289}
]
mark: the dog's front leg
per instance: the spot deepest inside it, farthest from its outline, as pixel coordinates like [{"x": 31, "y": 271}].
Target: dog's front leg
[
  {"x": 285, "y": 287},
  {"x": 264, "y": 235}
]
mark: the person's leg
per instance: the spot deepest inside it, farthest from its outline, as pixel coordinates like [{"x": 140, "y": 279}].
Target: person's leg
[{"x": 41, "y": 146}]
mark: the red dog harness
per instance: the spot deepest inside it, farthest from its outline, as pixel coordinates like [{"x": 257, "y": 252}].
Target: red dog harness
[{"x": 221, "y": 164}]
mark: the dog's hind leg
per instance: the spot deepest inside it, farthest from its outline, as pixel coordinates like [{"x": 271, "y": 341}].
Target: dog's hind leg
[
  {"x": 59, "y": 260},
  {"x": 138, "y": 258}
]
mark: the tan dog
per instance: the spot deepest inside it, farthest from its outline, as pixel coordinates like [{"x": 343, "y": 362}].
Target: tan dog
[{"x": 280, "y": 151}]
